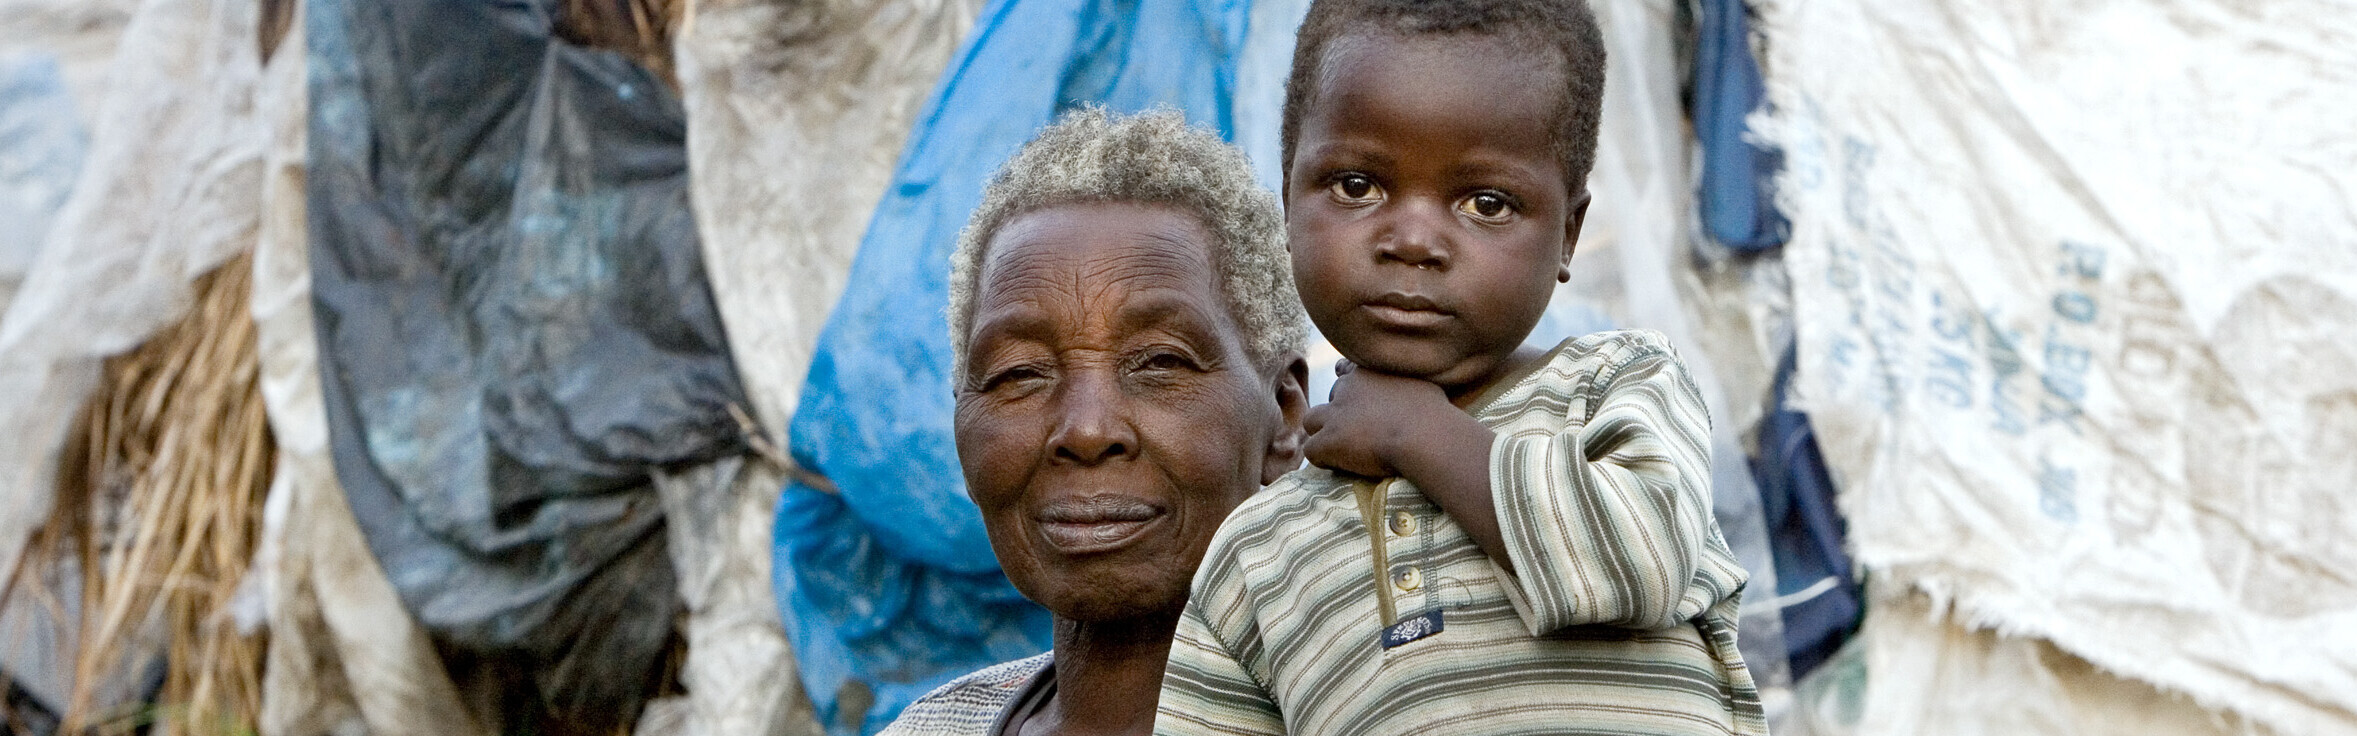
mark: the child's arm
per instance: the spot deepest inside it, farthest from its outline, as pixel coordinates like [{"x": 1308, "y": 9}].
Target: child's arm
[
  {"x": 1607, "y": 522},
  {"x": 1379, "y": 425}
]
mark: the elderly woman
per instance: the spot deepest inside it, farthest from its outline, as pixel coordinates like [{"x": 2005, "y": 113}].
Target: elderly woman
[{"x": 1128, "y": 352}]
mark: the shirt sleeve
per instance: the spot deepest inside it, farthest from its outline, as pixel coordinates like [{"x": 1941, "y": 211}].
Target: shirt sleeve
[
  {"x": 1207, "y": 688},
  {"x": 1608, "y": 520}
]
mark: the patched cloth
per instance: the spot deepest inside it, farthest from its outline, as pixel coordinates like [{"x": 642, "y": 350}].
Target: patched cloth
[{"x": 1621, "y": 620}]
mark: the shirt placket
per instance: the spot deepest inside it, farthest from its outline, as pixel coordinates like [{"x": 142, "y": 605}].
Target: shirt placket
[{"x": 1407, "y": 536}]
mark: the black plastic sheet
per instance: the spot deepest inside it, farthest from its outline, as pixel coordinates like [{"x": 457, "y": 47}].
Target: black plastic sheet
[{"x": 514, "y": 328}]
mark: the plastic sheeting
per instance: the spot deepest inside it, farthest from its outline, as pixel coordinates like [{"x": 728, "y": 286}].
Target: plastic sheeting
[
  {"x": 1819, "y": 597},
  {"x": 344, "y": 656},
  {"x": 41, "y": 146},
  {"x": 515, "y": 331},
  {"x": 796, "y": 113},
  {"x": 1952, "y": 680},
  {"x": 169, "y": 190},
  {"x": 889, "y": 586},
  {"x": 1736, "y": 205},
  {"x": 1632, "y": 269},
  {"x": 2076, "y": 307},
  {"x": 1262, "y": 67},
  {"x": 81, "y": 35}
]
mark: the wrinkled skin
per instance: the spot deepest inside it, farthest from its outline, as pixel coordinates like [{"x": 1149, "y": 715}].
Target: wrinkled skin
[{"x": 1108, "y": 419}]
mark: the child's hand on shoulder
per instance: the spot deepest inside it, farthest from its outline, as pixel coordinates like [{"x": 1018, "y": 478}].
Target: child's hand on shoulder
[{"x": 1363, "y": 425}]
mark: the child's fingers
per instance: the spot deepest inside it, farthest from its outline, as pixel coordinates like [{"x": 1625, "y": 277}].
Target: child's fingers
[
  {"x": 1324, "y": 454},
  {"x": 1337, "y": 452}
]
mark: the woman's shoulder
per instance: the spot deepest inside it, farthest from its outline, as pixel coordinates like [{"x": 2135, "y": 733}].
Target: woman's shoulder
[{"x": 969, "y": 704}]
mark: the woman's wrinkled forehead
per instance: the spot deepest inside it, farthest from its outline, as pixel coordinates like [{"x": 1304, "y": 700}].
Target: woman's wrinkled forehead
[
  {"x": 1094, "y": 266},
  {"x": 1096, "y": 241}
]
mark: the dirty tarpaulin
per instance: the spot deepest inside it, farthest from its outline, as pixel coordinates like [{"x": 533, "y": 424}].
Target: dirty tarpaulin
[
  {"x": 2076, "y": 308},
  {"x": 515, "y": 330},
  {"x": 167, "y": 192},
  {"x": 889, "y": 587},
  {"x": 796, "y": 113}
]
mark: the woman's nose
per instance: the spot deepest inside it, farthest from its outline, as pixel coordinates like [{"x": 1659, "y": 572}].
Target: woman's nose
[
  {"x": 1092, "y": 425},
  {"x": 1416, "y": 237}
]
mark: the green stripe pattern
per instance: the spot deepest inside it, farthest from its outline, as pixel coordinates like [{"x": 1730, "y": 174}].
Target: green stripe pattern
[{"x": 1620, "y": 621}]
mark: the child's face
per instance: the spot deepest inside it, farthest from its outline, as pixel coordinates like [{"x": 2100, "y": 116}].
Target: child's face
[{"x": 1428, "y": 211}]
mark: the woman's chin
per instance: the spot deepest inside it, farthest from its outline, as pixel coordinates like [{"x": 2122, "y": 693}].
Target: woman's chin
[
  {"x": 1100, "y": 589},
  {"x": 1097, "y": 606}
]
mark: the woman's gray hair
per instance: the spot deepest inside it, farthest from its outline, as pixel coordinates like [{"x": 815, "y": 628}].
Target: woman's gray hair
[{"x": 1091, "y": 156}]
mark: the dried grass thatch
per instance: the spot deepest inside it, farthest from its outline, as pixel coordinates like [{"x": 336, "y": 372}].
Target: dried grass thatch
[
  {"x": 641, "y": 29},
  {"x": 159, "y": 499}
]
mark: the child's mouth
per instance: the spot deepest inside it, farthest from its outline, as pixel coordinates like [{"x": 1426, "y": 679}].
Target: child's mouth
[
  {"x": 1417, "y": 318},
  {"x": 1406, "y": 311}
]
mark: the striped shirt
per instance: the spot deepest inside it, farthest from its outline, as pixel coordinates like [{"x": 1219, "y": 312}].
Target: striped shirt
[
  {"x": 975, "y": 704},
  {"x": 1621, "y": 619}
]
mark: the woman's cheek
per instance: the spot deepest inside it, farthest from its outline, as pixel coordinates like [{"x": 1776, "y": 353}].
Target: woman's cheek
[
  {"x": 1200, "y": 429},
  {"x": 986, "y": 447}
]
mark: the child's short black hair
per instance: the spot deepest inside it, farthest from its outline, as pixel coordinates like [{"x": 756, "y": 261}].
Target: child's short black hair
[{"x": 1567, "y": 28}]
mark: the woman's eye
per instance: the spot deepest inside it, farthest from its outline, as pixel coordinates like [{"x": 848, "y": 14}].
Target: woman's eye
[
  {"x": 1166, "y": 362},
  {"x": 1012, "y": 376},
  {"x": 1486, "y": 205},
  {"x": 1355, "y": 188}
]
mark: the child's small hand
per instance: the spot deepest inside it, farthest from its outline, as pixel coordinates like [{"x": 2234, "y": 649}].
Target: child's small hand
[{"x": 1370, "y": 414}]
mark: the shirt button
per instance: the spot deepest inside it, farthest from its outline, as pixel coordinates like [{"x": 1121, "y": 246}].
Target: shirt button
[
  {"x": 1408, "y": 579},
  {"x": 1403, "y": 523}
]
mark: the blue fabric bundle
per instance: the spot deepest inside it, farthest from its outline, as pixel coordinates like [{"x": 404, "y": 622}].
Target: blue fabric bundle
[
  {"x": 1737, "y": 200},
  {"x": 1821, "y": 601}
]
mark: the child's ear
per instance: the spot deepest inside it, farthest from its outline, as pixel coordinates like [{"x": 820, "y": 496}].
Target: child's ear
[
  {"x": 1571, "y": 234},
  {"x": 1291, "y": 388}
]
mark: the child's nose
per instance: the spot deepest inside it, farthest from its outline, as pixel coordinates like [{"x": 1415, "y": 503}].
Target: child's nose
[{"x": 1417, "y": 237}]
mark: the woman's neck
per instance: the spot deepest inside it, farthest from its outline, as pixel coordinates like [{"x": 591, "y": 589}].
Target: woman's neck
[{"x": 1108, "y": 677}]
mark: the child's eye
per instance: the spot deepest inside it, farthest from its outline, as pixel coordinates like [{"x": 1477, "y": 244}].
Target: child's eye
[
  {"x": 1486, "y": 205},
  {"x": 1355, "y": 188}
]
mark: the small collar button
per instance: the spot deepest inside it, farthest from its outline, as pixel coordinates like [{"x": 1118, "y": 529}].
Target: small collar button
[{"x": 1403, "y": 523}]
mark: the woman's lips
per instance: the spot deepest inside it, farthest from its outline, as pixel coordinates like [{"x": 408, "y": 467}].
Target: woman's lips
[{"x": 1096, "y": 524}]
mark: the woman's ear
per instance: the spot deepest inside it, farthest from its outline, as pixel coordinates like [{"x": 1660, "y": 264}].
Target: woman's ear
[
  {"x": 1571, "y": 235},
  {"x": 1291, "y": 387}
]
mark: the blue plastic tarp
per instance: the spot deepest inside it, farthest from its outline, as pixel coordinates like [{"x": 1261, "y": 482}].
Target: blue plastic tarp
[
  {"x": 1738, "y": 206},
  {"x": 1818, "y": 598},
  {"x": 888, "y": 586}
]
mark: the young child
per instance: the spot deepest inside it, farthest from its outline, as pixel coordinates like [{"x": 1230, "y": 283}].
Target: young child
[{"x": 1494, "y": 539}]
